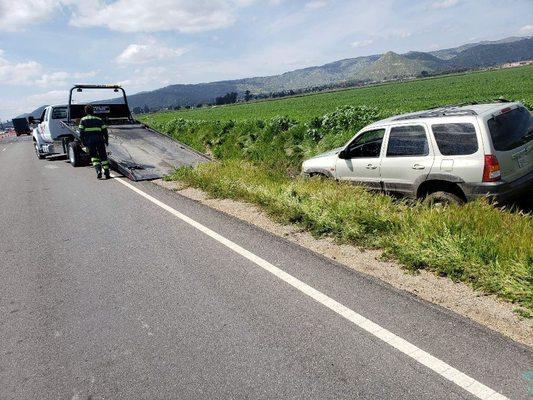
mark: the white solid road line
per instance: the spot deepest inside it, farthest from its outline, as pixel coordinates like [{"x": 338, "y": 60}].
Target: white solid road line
[{"x": 440, "y": 367}]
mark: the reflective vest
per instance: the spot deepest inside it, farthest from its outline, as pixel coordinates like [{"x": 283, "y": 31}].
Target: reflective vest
[{"x": 93, "y": 131}]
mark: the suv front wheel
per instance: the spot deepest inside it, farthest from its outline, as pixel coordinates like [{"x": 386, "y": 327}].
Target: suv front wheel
[{"x": 442, "y": 198}]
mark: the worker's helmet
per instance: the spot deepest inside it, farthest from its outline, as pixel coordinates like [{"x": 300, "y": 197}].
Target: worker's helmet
[{"x": 89, "y": 109}]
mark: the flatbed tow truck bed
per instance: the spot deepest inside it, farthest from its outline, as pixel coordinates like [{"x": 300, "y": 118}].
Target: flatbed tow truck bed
[
  {"x": 141, "y": 153},
  {"x": 135, "y": 150}
]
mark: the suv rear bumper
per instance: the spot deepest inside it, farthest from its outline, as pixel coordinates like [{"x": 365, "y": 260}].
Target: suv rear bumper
[{"x": 520, "y": 189}]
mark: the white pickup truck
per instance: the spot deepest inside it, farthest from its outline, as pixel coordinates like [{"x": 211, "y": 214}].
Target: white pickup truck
[
  {"x": 135, "y": 150},
  {"x": 49, "y": 130}
]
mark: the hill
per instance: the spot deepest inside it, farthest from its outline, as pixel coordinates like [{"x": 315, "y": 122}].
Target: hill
[
  {"x": 372, "y": 68},
  {"x": 351, "y": 71}
]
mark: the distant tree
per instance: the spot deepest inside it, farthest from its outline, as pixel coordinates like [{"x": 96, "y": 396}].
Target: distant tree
[
  {"x": 199, "y": 105},
  {"x": 247, "y": 96},
  {"x": 137, "y": 110},
  {"x": 424, "y": 74},
  {"x": 228, "y": 98},
  {"x": 146, "y": 110}
]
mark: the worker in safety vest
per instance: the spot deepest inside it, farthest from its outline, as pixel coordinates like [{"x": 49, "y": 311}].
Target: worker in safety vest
[{"x": 94, "y": 136}]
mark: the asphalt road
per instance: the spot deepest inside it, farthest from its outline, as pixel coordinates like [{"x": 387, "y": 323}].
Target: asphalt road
[{"x": 106, "y": 295}]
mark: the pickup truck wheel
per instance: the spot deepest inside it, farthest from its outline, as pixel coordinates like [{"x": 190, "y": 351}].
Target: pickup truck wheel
[
  {"x": 442, "y": 198},
  {"x": 38, "y": 153},
  {"x": 74, "y": 155}
]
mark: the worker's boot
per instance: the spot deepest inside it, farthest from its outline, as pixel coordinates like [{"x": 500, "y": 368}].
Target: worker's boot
[
  {"x": 98, "y": 169},
  {"x": 105, "y": 166}
]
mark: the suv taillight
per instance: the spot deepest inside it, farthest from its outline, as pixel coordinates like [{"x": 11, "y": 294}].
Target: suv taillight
[{"x": 491, "y": 171}]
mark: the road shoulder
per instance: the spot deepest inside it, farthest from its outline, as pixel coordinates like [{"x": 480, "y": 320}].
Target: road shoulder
[{"x": 486, "y": 310}]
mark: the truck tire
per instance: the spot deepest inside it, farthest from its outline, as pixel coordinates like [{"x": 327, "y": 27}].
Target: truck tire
[
  {"x": 442, "y": 198},
  {"x": 38, "y": 153},
  {"x": 74, "y": 154}
]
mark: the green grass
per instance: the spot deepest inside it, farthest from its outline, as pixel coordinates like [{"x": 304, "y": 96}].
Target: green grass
[
  {"x": 516, "y": 83},
  {"x": 487, "y": 247},
  {"x": 261, "y": 146}
]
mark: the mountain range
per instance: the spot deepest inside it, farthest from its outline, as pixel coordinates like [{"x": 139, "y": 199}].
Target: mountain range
[{"x": 367, "y": 69}]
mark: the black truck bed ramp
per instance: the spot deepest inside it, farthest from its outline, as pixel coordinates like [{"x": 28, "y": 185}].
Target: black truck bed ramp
[{"x": 140, "y": 153}]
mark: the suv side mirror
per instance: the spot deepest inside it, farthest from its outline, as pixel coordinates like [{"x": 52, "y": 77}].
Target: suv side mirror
[{"x": 343, "y": 154}]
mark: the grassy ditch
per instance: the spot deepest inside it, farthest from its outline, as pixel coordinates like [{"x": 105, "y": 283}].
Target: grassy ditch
[
  {"x": 489, "y": 248},
  {"x": 259, "y": 162}
]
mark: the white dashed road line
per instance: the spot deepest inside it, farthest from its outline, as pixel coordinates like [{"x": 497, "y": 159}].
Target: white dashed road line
[{"x": 440, "y": 367}]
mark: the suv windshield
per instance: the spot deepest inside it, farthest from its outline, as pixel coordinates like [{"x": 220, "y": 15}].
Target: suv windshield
[
  {"x": 59, "y": 113},
  {"x": 512, "y": 129}
]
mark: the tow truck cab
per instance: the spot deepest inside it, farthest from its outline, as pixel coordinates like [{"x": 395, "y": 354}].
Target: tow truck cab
[{"x": 49, "y": 129}]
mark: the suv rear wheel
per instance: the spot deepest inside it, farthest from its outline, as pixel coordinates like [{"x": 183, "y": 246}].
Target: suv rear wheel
[{"x": 443, "y": 198}]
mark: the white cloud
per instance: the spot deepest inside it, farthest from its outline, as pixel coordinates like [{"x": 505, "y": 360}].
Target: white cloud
[
  {"x": 444, "y": 4},
  {"x": 62, "y": 78},
  {"x": 151, "y": 50},
  {"x": 149, "y": 78},
  {"x": 50, "y": 97},
  {"x": 32, "y": 73},
  {"x": 527, "y": 29},
  {"x": 17, "y": 15},
  {"x": 187, "y": 16},
  {"x": 18, "y": 73},
  {"x": 316, "y": 4},
  {"x": 362, "y": 43}
]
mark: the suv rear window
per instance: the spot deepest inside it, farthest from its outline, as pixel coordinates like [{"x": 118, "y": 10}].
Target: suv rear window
[
  {"x": 405, "y": 141},
  {"x": 59, "y": 113},
  {"x": 455, "y": 139},
  {"x": 512, "y": 129}
]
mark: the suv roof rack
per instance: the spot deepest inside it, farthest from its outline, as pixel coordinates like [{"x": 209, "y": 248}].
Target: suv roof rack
[{"x": 438, "y": 112}]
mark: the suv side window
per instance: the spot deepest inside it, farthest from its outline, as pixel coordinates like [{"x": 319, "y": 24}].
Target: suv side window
[
  {"x": 407, "y": 141},
  {"x": 455, "y": 139},
  {"x": 367, "y": 145}
]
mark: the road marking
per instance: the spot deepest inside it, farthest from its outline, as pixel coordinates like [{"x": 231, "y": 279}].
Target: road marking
[{"x": 440, "y": 367}]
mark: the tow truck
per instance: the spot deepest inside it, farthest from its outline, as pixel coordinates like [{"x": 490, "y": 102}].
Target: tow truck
[{"x": 135, "y": 150}]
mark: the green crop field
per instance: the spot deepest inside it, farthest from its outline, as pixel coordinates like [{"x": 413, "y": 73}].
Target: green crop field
[
  {"x": 260, "y": 147},
  {"x": 516, "y": 84}
]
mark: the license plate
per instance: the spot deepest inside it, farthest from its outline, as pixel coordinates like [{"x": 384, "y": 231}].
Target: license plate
[{"x": 522, "y": 160}]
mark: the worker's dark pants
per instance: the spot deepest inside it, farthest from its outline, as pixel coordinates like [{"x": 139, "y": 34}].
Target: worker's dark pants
[{"x": 98, "y": 154}]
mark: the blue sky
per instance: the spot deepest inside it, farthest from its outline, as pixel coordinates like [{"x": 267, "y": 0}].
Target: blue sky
[{"x": 48, "y": 45}]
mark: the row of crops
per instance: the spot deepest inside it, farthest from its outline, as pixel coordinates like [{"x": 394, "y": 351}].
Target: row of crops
[{"x": 516, "y": 83}]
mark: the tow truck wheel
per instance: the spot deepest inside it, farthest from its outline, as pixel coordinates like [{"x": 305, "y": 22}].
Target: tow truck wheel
[
  {"x": 40, "y": 155},
  {"x": 74, "y": 155}
]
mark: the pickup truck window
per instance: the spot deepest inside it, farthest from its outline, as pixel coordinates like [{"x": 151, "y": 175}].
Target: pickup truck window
[
  {"x": 455, "y": 139},
  {"x": 405, "y": 141},
  {"x": 367, "y": 145},
  {"x": 59, "y": 113}
]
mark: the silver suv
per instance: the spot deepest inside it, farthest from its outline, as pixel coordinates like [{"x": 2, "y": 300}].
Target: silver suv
[{"x": 448, "y": 154}]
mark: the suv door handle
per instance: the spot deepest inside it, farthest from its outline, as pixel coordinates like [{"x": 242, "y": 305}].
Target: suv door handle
[
  {"x": 418, "y": 166},
  {"x": 371, "y": 166}
]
